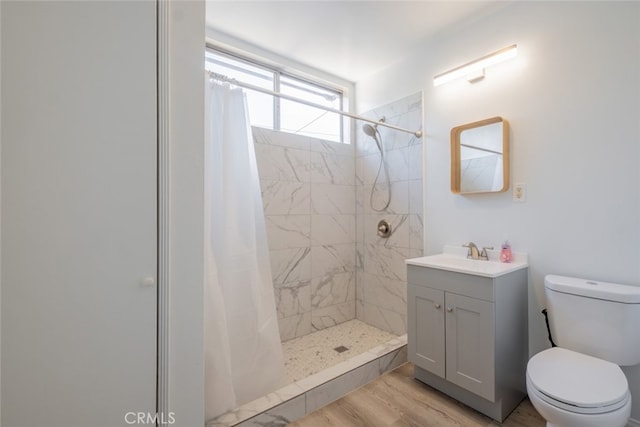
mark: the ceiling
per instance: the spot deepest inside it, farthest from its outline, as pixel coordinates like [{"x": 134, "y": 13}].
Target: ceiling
[{"x": 349, "y": 39}]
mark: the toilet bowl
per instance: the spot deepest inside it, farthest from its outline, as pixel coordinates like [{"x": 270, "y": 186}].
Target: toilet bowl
[
  {"x": 580, "y": 383},
  {"x": 570, "y": 389}
]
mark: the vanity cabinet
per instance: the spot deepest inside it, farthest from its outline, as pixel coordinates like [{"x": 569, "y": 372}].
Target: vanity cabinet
[
  {"x": 468, "y": 335},
  {"x": 452, "y": 337}
]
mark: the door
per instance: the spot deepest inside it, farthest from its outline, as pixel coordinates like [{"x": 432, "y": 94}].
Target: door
[
  {"x": 426, "y": 329},
  {"x": 78, "y": 213},
  {"x": 470, "y": 344}
]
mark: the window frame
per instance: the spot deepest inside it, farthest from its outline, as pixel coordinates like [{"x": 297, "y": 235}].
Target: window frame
[{"x": 277, "y": 73}]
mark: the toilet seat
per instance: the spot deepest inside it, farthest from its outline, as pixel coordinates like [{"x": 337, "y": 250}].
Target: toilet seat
[
  {"x": 576, "y": 382},
  {"x": 578, "y": 409}
]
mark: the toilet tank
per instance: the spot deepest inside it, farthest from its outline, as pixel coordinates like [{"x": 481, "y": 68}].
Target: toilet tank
[{"x": 596, "y": 318}]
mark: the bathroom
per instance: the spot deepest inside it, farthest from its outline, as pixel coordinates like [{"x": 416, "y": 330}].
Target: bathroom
[
  {"x": 572, "y": 98},
  {"x": 568, "y": 221}
]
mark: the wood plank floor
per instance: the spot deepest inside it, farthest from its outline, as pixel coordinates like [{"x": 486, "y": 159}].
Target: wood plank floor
[{"x": 397, "y": 399}]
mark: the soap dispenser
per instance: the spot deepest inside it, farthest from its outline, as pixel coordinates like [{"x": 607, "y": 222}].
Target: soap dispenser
[{"x": 505, "y": 253}]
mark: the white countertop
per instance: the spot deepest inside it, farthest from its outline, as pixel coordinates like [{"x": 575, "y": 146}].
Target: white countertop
[{"x": 454, "y": 258}]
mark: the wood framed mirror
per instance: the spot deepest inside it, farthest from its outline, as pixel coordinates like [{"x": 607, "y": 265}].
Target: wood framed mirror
[{"x": 480, "y": 157}]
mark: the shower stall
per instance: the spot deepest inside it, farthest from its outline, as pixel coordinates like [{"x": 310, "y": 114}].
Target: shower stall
[{"x": 339, "y": 287}]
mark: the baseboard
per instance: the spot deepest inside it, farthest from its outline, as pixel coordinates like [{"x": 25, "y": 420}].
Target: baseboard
[{"x": 633, "y": 423}]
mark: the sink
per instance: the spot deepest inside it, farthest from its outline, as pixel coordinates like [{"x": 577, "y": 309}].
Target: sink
[{"x": 454, "y": 258}]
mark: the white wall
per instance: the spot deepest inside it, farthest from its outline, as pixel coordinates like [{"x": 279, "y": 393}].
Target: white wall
[
  {"x": 186, "y": 267},
  {"x": 573, "y": 101}
]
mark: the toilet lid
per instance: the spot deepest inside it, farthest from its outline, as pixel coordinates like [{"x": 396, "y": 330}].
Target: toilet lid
[{"x": 577, "y": 379}]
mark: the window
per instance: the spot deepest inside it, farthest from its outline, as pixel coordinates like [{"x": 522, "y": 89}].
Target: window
[{"x": 277, "y": 113}]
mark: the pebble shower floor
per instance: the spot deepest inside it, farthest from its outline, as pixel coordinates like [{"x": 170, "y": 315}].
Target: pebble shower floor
[{"x": 309, "y": 354}]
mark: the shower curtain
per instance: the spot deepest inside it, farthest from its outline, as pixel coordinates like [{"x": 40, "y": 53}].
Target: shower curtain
[{"x": 243, "y": 354}]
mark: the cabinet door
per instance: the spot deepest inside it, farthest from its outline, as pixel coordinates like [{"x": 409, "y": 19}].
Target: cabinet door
[
  {"x": 470, "y": 344},
  {"x": 426, "y": 329}
]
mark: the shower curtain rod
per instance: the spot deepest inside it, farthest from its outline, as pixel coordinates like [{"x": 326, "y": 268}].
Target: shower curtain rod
[
  {"x": 221, "y": 77},
  {"x": 480, "y": 149}
]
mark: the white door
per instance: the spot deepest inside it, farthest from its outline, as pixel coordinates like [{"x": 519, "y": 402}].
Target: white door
[{"x": 78, "y": 212}]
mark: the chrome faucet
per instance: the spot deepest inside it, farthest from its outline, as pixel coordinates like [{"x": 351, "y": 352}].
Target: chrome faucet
[{"x": 473, "y": 250}]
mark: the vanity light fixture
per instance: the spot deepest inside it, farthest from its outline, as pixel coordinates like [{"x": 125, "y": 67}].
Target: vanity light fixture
[{"x": 474, "y": 70}]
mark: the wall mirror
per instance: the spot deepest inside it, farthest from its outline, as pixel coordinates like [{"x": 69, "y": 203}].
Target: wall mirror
[{"x": 480, "y": 157}]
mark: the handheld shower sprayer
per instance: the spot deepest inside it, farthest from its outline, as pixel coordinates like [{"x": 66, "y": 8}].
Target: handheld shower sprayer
[
  {"x": 370, "y": 130},
  {"x": 373, "y": 132}
]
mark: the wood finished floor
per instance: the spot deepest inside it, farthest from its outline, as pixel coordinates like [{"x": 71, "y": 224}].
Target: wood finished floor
[{"x": 397, "y": 399}]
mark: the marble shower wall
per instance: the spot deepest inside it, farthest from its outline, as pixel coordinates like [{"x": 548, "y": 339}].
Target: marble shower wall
[
  {"x": 481, "y": 173},
  {"x": 381, "y": 272},
  {"x": 308, "y": 191}
]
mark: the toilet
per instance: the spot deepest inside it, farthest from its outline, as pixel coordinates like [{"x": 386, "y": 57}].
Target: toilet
[{"x": 579, "y": 383}]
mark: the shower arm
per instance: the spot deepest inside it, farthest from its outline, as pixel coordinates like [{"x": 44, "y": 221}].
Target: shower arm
[{"x": 221, "y": 77}]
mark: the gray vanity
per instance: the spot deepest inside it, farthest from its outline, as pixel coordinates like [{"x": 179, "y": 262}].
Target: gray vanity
[{"x": 468, "y": 328}]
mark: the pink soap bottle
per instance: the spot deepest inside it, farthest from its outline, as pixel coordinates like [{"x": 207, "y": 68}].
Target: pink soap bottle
[{"x": 505, "y": 253}]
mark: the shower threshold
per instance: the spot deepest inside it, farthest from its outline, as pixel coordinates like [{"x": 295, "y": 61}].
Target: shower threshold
[{"x": 320, "y": 371}]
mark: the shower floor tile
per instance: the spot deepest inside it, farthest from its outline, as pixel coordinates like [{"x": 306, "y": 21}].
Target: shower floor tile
[{"x": 312, "y": 353}]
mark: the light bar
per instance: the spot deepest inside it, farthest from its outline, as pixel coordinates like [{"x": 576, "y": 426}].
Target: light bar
[{"x": 476, "y": 67}]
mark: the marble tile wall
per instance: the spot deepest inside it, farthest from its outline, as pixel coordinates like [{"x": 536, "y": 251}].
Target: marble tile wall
[
  {"x": 381, "y": 289},
  {"x": 308, "y": 191},
  {"x": 481, "y": 173},
  {"x": 328, "y": 263}
]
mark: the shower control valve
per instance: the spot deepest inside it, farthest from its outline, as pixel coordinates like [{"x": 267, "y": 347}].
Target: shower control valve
[{"x": 384, "y": 228}]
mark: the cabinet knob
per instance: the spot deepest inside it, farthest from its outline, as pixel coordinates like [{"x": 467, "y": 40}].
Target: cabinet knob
[
  {"x": 449, "y": 309},
  {"x": 436, "y": 305}
]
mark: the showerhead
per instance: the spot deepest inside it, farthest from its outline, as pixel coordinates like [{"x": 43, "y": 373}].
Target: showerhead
[
  {"x": 369, "y": 130},
  {"x": 374, "y": 133}
]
